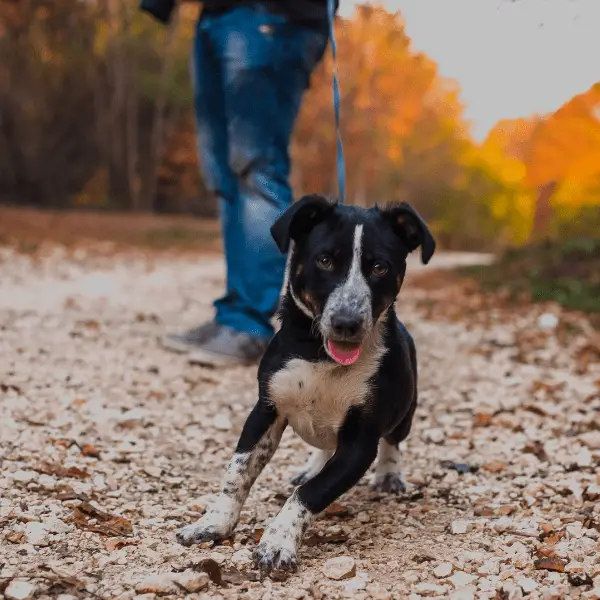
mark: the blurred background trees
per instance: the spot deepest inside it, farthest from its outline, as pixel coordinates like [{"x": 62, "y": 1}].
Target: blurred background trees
[{"x": 96, "y": 112}]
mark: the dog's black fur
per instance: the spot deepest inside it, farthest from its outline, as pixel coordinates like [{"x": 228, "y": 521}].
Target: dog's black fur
[{"x": 342, "y": 370}]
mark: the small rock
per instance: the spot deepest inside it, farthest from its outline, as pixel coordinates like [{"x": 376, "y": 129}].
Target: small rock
[
  {"x": 461, "y": 579},
  {"x": 37, "y": 533},
  {"x": 459, "y": 527},
  {"x": 222, "y": 422},
  {"x": 593, "y": 492},
  {"x": 591, "y": 439},
  {"x": 23, "y": 476},
  {"x": 163, "y": 583},
  {"x": 547, "y": 321},
  {"x": 430, "y": 589},
  {"x": 153, "y": 471},
  {"x": 192, "y": 581},
  {"x": 443, "y": 570},
  {"x": 527, "y": 584},
  {"x": 340, "y": 567},
  {"x": 464, "y": 593},
  {"x": 489, "y": 567},
  {"x": 19, "y": 590},
  {"x": 435, "y": 436},
  {"x": 242, "y": 558}
]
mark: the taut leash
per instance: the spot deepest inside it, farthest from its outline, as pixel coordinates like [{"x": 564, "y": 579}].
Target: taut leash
[{"x": 341, "y": 166}]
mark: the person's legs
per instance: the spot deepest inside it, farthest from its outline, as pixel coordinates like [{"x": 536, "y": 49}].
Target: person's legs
[
  {"x": 213, "y": 153},
  {"x": 267, "y": 64}
]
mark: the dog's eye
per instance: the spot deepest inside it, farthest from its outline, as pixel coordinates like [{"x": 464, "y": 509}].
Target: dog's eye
[
  {"x": 379, "y": 269},
  {"x": 324, "y": 262}
]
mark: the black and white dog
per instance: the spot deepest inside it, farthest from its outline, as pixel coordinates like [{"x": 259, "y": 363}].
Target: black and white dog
[{"x": 342, "y": 370}]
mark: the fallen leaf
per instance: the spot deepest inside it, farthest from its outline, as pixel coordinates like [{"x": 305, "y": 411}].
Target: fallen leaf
[
  {"x": 235, "y": 577},
  {"x": 106, "y": 524},
  {"x": 335, "y": 509},
  {"x": 211, "y": 568},
  {"x": 494, "y": 466},
  {"x": 56, "y": 469},
  {"x": 579, "y": 580},
  {"x": 537, "y": 449},
  {"x": 482, "y": 420},
  {"x": 258, "y": 533},
  {"x": 315, "y": 539},
  {"x": 550, "y": 564},
  {"x": 546, "y": 552},
  {"x": 112, "y": 545},
  {"x": 553, "y": 537},
  {"x": 15, "y": 537},
  {"x": 89, "y": 450}
]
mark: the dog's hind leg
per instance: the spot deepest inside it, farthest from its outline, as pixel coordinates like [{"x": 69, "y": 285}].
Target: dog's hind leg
[
  {"x": 388, "y": 476},
  {"x": 259, "y": 440},
  {"x": 317, "y": 460}
]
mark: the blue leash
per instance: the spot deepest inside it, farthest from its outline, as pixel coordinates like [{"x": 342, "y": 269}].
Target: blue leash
[{"x": 341, "y": 166}]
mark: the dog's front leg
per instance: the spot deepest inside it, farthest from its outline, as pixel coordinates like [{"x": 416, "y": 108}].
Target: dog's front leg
[
  {"x": 259, "y": 440},
  {"x": 356, "y": 451}
]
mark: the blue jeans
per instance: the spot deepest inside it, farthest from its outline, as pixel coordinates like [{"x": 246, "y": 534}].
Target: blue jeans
[{"x": 250, "y": 70}]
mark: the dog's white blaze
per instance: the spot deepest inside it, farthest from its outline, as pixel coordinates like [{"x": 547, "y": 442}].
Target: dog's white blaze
[
  {"x": 315, "y": 397},
  {"x": 388, "y": 462},
  {"x": 353, "y": 294},
  {"x": 284, "y": 534}
]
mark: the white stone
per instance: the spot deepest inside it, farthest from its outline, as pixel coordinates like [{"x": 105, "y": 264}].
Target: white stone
[
  {"x": 459, "y": 527},
  {"x": 242, "y": 558},
  {"x": 527, "y": 584},
  {"x": 461, "y": 579},
  {"x": 547, "y": 321},
  {"x": 430, "y": 589},
  {"x": 19, "y": 590},
  {"x": 340, "y": 567},
  {"x": 37, "y": 533},
  {"x": 443, "y": 570},
  {"x": 23, "y": 476},
  {"x": 222, "y": 422}
]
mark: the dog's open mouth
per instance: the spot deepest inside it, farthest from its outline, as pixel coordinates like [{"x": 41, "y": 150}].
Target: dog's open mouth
[{"x": 343, "y": 353}]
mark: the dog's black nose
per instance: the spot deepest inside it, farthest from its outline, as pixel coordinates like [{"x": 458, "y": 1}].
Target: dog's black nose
[{"x": 346, "y": 327}]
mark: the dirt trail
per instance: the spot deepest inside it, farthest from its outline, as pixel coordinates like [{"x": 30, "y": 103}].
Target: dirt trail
[{"x": 93, "y": 412}]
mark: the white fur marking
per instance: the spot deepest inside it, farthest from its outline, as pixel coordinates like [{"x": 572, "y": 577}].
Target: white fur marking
[
  {"x": 353, "y": 295},
  {"x": 388, "y": 463},
  {"x": 315, "y": 396},
  {"x": 301, "y": 304},
  {"x": 315, "y": 463},
  {"x": 221, "y": 518},
  {"x": 279, "y": 544}
]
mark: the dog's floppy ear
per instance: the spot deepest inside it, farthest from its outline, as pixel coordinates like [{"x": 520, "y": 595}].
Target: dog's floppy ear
[
  {"x": 410, "y": 227},
  {"x": 299, "y": 219}
]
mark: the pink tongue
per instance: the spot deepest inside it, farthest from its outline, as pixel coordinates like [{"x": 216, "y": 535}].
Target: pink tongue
[{"x": 343, "y": 357}]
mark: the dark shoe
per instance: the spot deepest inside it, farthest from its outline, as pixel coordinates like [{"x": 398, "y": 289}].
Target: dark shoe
[
  {"x": 229, "y": 348},
  {"x": 189, "y": 340}
]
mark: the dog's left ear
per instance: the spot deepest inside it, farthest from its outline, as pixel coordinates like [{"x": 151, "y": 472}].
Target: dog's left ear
[
  {"x": 410, "y": 228},
  {"x": 299, "y": 219}
]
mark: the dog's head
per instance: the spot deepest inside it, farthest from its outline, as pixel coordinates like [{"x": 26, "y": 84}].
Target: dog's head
[{"x": 348, "y": 265}]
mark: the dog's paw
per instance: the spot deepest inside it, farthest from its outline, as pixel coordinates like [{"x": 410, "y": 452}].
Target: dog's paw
[
  {"x": 269, "y": 556},
  {"x": 389, "y": 483},
  {"x": 205, "y": 530}
]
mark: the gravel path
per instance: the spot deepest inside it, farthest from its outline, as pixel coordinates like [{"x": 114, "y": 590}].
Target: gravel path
[{"x": 109, "y": 444}]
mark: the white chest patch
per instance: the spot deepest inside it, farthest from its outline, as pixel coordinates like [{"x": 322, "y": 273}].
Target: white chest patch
[{"x": 315, "y": 397}]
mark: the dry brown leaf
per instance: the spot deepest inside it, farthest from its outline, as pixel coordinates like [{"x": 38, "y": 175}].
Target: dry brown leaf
[
  {"x": 550, "y": 564},
  {"x": 112, "y": 545},
  {"x": 89, "y": 450},
  {"x": 51, "y": 468},
  {"x": 482, "y": 420},
  {"x": 335, "y": 509},
  {"x": 315, "y": 539},
  {"x": 105, "y": 523},
  {"x": 494, "y": 466},
  {"x": 553, "y": 537},
  {"x": 258, "y": 533},
  {"x": 546, "y": 551},
  {"x": 15, "y": 537}
]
